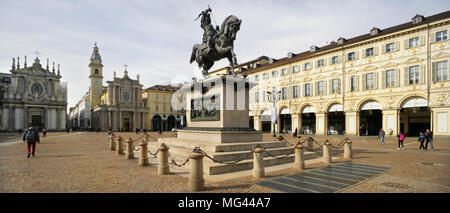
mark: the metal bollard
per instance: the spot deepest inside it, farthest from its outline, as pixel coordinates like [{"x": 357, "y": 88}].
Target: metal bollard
[
  {"x": 143, "y": 155},
  {"x": 112, "y": 144},
  {"x": 146, "y": 138},
  {"x": 258, "y": 162},
  {"x": 163, "y": 157},
  {"x": 348, "y": 150},
  {"x": 326, "y": 152},
  {"x": 129, "y": 149},
  {"x": 299, "y": 158},
  {"x": 196, "y": 181},
  {"x": 119, "y": 148}
]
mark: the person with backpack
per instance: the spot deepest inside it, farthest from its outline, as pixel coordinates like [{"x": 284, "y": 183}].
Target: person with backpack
[
  {"x": 401, "y": 137},
  {"x": 31, "y": 136},
  {"x": 421, "y": 139}
]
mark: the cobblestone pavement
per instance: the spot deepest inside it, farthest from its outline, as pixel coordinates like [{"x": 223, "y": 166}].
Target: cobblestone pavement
[{"x": 81, "y": 162}]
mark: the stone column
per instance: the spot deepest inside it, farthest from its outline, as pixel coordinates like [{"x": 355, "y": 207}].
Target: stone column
[
  {"x": 5, "y": 119},
  {"x": 258, "y": 162},
  {"x": 257, "y": 122},
  {"x": 320, "y": 124},
  {"x": 25, "y": 119},
  {"x": 112, "y": 145},
  {"x": 58, "y": 118},
  {"x": 196, "y": 181},
  {"x": 351, "y": 123},
  {"x": 143, "y": 155},
  {"x": 326, "y": 152},
  {"x": 297, "y": 123},
  {"x": 391, "y": 120},
  {"x": 120, "y": 120},
  {"x": 163, "y": 158},
  {"x": 299, "y": 158},
  {"x": 348, "y": 150},
  {"x": 19, "y": 118},
  {"x": 119, "y": 147},
  {"x": 11, "y": 121},
  {"x": 129, "y": 149},
  {"x": 134, "y": 123}
]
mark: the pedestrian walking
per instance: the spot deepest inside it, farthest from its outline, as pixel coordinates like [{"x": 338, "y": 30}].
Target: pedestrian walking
[
  {"x": 421, "y": 139},
  {"x": 381, "y": 135},
  {"x": 401, "y": 137},
  {"x": 44, "y": 132},
  {"x": 98, "y": 129},
  {"x": 295, "y": 133},
  {"x": 68, "y": 130},
  {"x": 31, "y": 136},
  {"x": 429, "y": 139}
]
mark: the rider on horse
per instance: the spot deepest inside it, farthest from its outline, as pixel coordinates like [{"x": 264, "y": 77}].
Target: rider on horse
[{"x": 209, "y": 35}]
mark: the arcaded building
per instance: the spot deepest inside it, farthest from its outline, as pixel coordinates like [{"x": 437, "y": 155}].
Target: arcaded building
[{"x": 395, "y": 78}]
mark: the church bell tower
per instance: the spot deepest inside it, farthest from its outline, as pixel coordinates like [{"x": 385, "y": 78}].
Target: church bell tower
[{"x": 96, "y": 77}]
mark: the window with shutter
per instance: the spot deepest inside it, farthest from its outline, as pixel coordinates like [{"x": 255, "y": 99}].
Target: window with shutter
[
  {"x": 422, "y": 74},
  {"x": 357, "y": 83},
  {"x": 364, "y": 82},
  {"x": 422, "y": 40},
  {"x": 375, "y": 51},
  {"x": 406, "y": 76},
  {"x": 384, "y": 80},
  {"x": 375, "y": 80},
  {"x": 397, "y": 45},
  {"x": 406, "y": 43},
  {"x": 397, "y": 77},
  {"x": 432, "y": 37}
]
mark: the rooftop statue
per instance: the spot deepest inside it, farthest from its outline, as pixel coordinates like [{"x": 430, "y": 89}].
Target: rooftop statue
[{"x": 217, "y": 42}]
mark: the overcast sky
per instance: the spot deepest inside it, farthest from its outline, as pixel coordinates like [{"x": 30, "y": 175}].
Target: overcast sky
[{"x": 155, "y": 38}]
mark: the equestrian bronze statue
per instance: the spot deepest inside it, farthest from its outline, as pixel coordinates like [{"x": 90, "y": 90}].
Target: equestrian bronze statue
[{"x": 217, "y": 43}]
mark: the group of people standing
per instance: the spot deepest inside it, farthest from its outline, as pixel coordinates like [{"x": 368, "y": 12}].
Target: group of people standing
[{"x": 426, "y": 137}]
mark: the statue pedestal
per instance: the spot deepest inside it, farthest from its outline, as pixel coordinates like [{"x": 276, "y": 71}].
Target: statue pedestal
[{"x": 218, "y": 122}]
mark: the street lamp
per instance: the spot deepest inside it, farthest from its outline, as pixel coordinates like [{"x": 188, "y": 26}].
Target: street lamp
[{"x": 274, "y": 97}]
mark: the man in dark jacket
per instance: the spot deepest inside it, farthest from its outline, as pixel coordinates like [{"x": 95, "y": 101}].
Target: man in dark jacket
[
  {"x": 31, "y": 136},
  {"x": 429, "y": 139}
]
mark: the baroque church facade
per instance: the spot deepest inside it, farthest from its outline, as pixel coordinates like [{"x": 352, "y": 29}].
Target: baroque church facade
[
  {"x": 118, "y": 106},
  {"x": 32, "y": 96}
]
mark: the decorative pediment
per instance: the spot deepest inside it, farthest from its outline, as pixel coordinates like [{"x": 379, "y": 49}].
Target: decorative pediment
[
  {"x": 390, "y": 64},
  {"x": 320, "y": 77},
  {"x": 370, "y": 67},
  {"x": 413, "y": 60},
  {"x": 307, "y": 79},
  {"x": 335, "y": 74},
  {"x": 441, "y": 55}
]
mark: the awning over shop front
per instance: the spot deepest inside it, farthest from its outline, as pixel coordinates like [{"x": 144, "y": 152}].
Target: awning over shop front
[
  {"x": 285, "y": 111},
  {"x": 336, "y": 108},
  {"x": 415, "y": 102},
  {"x": 371, "y": 105},
  {"x": 308, "y": 109}
]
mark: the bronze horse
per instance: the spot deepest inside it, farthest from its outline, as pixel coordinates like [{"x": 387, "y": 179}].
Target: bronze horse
[{"x": 221, "y": 48}]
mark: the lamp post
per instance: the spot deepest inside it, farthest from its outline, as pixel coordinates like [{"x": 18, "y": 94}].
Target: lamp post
[{"x": 274, "y": 97}]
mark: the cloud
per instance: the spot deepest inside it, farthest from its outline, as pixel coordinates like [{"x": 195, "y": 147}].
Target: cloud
[{"x": 155, "y": 38}]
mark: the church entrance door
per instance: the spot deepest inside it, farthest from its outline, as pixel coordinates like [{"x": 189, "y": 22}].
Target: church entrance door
[{"x": 126, "y": 124}]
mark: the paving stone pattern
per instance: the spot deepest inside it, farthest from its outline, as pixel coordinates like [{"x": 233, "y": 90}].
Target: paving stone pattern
[{"x": 81, "y": 162}]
